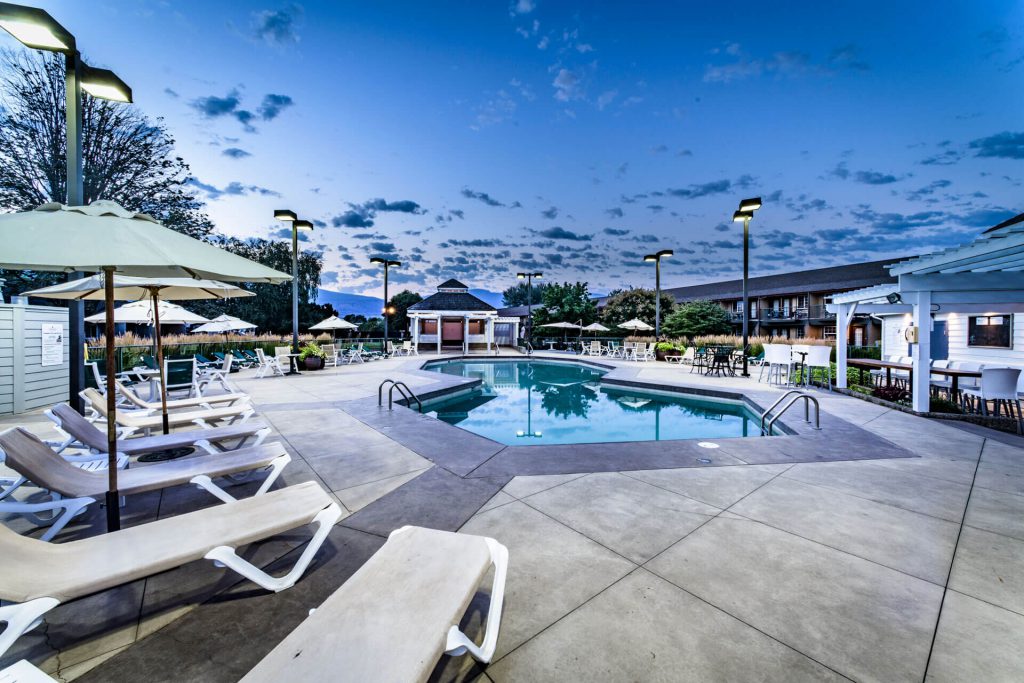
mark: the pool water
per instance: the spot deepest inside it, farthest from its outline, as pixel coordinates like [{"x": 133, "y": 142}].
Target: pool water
[{"x": 529, "y": 403}]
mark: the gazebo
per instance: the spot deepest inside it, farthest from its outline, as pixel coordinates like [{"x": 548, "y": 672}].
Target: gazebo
[
  {"x": 963, "y": 299},
  {"x": 452, "y": 317}
]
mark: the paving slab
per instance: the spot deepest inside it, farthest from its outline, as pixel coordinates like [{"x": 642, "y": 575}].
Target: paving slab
[
  {"x": 552, "y": 569},
  {"x": 526, "y": 485},
  {"x": 990, "y": 567},
  {"x": 643, "y": 628},
  {"x": 863, "y": 620},
  {"x": 718, "y": 486},
  {"x": 633, "y": 518},
  {"x": 977, "y": 642},
  {"x": 357, "y": 497},
  {"x": 998, "y": 512},
  {"x": 915, "y": 544}
]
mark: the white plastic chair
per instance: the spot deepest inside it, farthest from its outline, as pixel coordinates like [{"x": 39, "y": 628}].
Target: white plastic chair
[
  {"x": 331, "y": 357},
  {"x": 819, "y": 357},
  {"x": 998, "y": 385},
  {"x": 272, "y": 364},
  {"x": 777, "y": 357},
  {"x": 211, "y": 375}
]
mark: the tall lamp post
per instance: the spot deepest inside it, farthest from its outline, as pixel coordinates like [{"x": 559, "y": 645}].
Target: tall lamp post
[
  {"x": 36, "y": 29},
  {"x": 743, "y": 215},
  {"x": 297, "y": 224},
  {"x": 656, "y": 258},
  {"x": 529, "y": 303},
  {"x": 387, "y": 310}
]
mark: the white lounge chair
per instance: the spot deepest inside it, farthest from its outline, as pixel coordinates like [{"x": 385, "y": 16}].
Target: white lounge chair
[
  {"x": 80, "y": 433},
  {"x": 133, "y": 399},
  {"x": 393, "y": 619},
  {"x": 268, "y": 364},
  {"x": 36, "y": 576},
  {"x": 131, "y": 421},
  {"x": 27, "y": 455},
  {"x": 208, "y": 376}
]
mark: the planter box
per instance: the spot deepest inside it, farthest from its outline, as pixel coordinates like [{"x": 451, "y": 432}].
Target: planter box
[{"x": 313, "y": 363}]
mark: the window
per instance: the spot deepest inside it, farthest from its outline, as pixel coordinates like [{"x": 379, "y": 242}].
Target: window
[
  {"x": 428, "y": 327},
  {"x": 828, "y": 332},
  {"x": 990, "y": 330},
  {"x": 801, "y": 333},
  {"x": 801, "y": 301},
  {"x": 738, "y": 306},
  {"x": 476, "y": 326}
]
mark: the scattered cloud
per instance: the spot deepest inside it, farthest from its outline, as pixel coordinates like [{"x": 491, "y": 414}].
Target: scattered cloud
[
  {"x": 567, "y": 86},
  {"x": 234, "y": 188},
  {"x": 702, "y": 189},
  {"x": 363, "y": 215},
  {"x": 235, "y": 153},
  {"x": 550, "y": 213},
  {"x": 1005, "y": 145},
  {"x": 606, "y": 98},
  {"x": 615, "y": 212},
  {"x": 171, "y": 93},
  {"x": 273, "y": 105},
  {"x": 615, "y": 232},
  {"x": 213, "y": 107},
  {"x": 277, "y": 27},
  {"x": 867, "y": 177},
  {"x": 485, "y": 198},
  {"x": 558, "y": 233},
  {"x": 789, "y": 64},
  {"x": 522, "y": 7}
]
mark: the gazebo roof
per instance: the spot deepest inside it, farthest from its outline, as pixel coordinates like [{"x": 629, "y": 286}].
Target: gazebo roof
[{"x": 453, "y": 296}]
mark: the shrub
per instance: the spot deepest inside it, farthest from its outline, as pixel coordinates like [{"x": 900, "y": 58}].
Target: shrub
[
  {"x": 941, "y": 405},
  {"x": 893, "y": 394}
]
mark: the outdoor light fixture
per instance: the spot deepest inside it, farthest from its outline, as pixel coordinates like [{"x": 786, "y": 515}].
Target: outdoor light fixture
[
  {"x": 656, "y": 259},
  {"x": 289, "y": 215},
  {"x": 388, "y": 310},
  {"x": 745, "y": 213},
  {"x": 104, "y": 84},
  {"x": 893, "y": 298},
  {"x": 35, "y": 28},
  {"x": 529, "y": 305}
]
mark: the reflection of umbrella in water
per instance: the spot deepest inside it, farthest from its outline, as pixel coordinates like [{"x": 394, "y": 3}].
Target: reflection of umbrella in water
[
  {"x": 634, "y": 402},
  {"x": 454, "y": 417},
  {"x": 105, "y": 236}
]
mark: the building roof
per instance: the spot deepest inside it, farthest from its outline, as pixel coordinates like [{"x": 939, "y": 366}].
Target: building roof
[
  {"x": 450, "y": 298},
  {"x": 451, "y": 284},
  {"x": 832, "y": 279},
  {"x": 518, "y": 311},
  {"x": 1013, "y": 221}
]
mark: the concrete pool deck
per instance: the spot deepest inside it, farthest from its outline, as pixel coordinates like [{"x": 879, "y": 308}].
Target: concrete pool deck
[{"x": 882, "y": 569}]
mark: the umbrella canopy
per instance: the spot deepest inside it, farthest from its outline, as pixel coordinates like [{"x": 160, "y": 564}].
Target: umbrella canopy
[
  {"x": 596, "y": 327},
  {"x": 224, "y": 323},
  {"x": 128, "y": 288},
  {"x": 635, "y": 324},
  {"x": 334, "y": 323},
  {"x": 141, "y": 312},
  {"x": 563, "y": 326},
  {"x": 105, "y": 236}
]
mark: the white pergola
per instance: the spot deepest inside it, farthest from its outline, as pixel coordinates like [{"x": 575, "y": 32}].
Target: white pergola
[
  {"x": 979, "y": 277},
  {"x": 489, "y": 318}
]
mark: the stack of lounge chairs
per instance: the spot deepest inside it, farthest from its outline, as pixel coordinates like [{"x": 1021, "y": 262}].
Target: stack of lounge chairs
[{"x": 392, "y": 620}]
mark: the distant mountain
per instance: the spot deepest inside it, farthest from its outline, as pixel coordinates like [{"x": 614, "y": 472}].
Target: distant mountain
[
  {"x": 356, "y": 304},
  {"x": 371, "y": 306}
]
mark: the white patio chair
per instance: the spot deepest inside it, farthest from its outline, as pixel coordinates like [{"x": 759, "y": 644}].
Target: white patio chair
[
  {"x": 645, "y": 352},
  {"x": 355, "y": 354},
  {"x": 998, "y": 385},
  {"x": 268, "y": 364},
  {"x": 819, "y": 358},
  {"x": 36, "y": 576},
  {"x": 220, "y": 375},
  {"x": 409, "y": 349},
  {"x": 331, "y": 354},
  {"x": 778, "y": 359}
]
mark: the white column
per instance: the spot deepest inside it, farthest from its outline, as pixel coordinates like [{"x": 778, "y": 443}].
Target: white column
[
  {"x": 842, "y": 335},
  {"x": 415, "y": 332},
  {"x": 465, "y": 334},
  {"x": 439, "y": 335},
  {"x": 489, "y": 332},
  {"x": 922, "y": 351}
]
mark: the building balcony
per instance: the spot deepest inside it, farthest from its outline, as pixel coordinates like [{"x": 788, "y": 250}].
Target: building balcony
[
  {"x": 818, "y": 314},
  {"x": 783, "y": 316}
]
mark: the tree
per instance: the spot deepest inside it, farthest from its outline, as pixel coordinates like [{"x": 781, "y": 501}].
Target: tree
[
  {"x": 565, "y": 302},
  {"x": 271, "y": 308},
  {"x": 697, "y": 318},
  {"x": 126, "y": 157},
  {"x": 401, "y": 302},
  {"x": 517, "y": 294},
  {"x": 626, "y": 304}
]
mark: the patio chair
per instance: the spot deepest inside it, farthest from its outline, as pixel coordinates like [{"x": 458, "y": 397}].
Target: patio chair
[
  {"x": 721, "y": 361},
  {"x": 26, "y": 454},
  {"x": 998, "y": 385},
  {"x": 819, "y": 358},
  {"x": 614, "y": 349},
  {"x": 36, "y": 576},
  {"x": 940, "y": 384},
  {"x": 330, "y": 354},
  {"x": 645, "y": 352},
  {"x": 131, "y": 421},
  {"x": 777, "y": 358},
  {"x": 356, "y": 354},
  {"x": 396, "y": 616},
  {"x": 204, "y": 362},
  {"x": 271, "y": 364},
  {"x": 130, "y": 398},
  {"x": 685, "y": 358},
  {"x": 219, "y": 375},
  {"x": 181, "y": 374},
  {"x": 591, "y": 349},
  {"x": 409, "y": 349},
  {"x": 221, "y": 357},
  {"x": 80, "y": 433},
  {"x": 250, "y": 357}
]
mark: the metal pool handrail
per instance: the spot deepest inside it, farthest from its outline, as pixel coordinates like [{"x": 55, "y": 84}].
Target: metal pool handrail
[{"x": 808, "y": 399}]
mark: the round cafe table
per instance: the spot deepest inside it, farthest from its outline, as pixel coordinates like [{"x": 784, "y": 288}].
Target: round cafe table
[{"x": 293, "y": 364}]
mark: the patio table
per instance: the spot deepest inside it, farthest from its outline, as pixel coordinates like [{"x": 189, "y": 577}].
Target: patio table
[
  {"x": 293, "y": 363},
  {"x": 954, "y": 374}
]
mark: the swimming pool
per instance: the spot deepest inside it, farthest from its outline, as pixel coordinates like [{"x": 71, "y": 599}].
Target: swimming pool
[{"x": 528, "y": 403}]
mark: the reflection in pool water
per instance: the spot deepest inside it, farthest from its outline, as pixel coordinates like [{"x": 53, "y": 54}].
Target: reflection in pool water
[{"x": 539, "y": 402}]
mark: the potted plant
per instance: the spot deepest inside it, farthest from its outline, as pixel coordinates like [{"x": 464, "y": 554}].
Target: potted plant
[
  {"x": 312, "y": 356},
  {"x": 665, "y": 349}
]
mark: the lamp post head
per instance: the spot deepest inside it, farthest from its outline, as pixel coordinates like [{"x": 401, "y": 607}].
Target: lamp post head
[
  {"x": 664, "y": 253},
  {"x": 740, "y": 216},
  {"x": 752, "y": 204},
  {"x": 377, "y": 259},
  {"x": 302, "y": 225},
  {"x": 104, "y": 84},
  {"x": 285, "y": 215},
  {"x": 538, "y": 275},
  {"x": 394, "y": 264},
  {"x": 650, "y": 258},
  {"x": 34, "y": 28}
]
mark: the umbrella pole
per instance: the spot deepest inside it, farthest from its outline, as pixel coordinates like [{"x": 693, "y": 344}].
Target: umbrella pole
[
  {"x": 113, "y": 509},
  {"x": 155, "y": 296}
]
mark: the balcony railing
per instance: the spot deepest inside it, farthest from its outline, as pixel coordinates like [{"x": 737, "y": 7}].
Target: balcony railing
[{"x": 782, "y": 315}]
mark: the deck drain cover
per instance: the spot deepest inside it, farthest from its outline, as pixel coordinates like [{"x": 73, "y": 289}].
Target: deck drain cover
[
  {"x": 707, "y": 444},
  {"x": 704, "y": 461}
]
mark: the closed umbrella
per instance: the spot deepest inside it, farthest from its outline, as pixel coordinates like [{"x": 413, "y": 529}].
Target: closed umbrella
[
  {"x": 106, "y": 237},
  {"x": 152, "y": 309}
]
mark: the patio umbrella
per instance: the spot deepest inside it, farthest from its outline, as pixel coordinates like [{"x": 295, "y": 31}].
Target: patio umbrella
[
  {"x": 563, "y": 326},
  {"x": 149, "y": 306},
  {"x": 136, "y": 312},
  {"x": 635, "y": 324},
  {"x": 334, "y": 323},
  {"x": 596, "y": 327},
  {"x": 105, "y": 236},
  {"x": 225, "y": 323}
]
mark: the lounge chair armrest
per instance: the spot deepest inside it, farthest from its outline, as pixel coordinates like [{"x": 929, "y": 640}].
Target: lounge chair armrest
[
  {"x": 458, "y": 642},
  {"x": 69, "y": 506}
]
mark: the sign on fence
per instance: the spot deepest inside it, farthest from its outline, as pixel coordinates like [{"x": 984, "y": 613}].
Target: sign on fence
[{"x": 52, "y": 352}]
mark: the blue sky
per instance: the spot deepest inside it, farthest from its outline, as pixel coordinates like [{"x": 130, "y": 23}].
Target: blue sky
[{"x": 476, "y": 139}]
